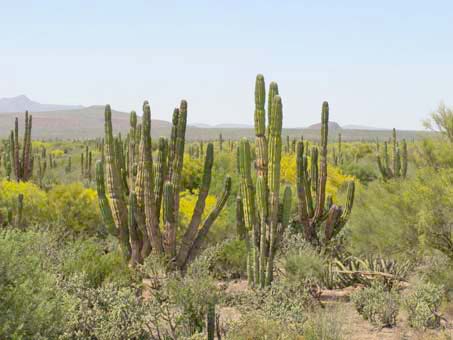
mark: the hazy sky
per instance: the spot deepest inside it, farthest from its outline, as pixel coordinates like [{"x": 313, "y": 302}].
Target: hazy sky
[{"x": 378, "y": 63}]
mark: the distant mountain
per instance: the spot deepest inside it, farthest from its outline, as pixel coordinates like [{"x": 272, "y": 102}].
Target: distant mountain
[
  {"x": 87, "y": 122},
  {"x": 332, "y": 126},
  {"x": 22, "y": 103},
  {"x": 222, "y": 126},
  {"x": 362, "y": 127}
]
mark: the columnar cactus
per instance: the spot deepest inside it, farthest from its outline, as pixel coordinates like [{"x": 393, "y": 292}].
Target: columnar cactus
[
  {"x": 320, "y": 219},
  {"x": 22, "y": 165},
  {"x": 132, "y": 210},
  {"x": 398, "y": 169},
  {"x": 86, "y": 163},
  {"x": 261, "y": 202}
]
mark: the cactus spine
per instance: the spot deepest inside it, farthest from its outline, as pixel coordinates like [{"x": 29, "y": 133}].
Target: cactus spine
[
  {"x": 320, "y": 219},
  {"x": 136, "y": 192},
  {"x": 399, "y": 160},
  {"x": 261, "y": 207},
  {"x": 22, "y": 165}
]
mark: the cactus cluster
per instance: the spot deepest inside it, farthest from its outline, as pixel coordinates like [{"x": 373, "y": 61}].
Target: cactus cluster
[
  {"x": 398, "y": 166},
  {"x": 134, "y": 190},
  {"x": 21, "y": 160},
  {"x": 265, "y": 214},
  {"x": 321, "y": 220}
]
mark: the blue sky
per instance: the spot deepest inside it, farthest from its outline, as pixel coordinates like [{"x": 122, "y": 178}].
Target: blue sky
[{"x": 385, "y": 64}]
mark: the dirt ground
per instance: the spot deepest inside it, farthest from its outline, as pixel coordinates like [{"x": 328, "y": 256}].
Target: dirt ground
[{"x": 355, "y": 327}]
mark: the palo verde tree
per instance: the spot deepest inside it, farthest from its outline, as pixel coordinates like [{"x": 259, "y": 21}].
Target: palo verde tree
[{"x": 133, "y": 189}]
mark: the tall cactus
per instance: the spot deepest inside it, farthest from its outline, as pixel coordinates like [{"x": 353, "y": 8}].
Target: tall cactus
[
  {"x": 398, "y": 167},
  {"x": 320, "y": 219},
  {"x": 131, "y": 205},
  {"x": 261, "y": 202},
  {"x": 22, "y": 165}
]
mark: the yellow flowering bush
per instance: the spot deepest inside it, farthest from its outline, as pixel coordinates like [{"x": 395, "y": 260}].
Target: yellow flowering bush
[
  {"x": 75, "y": 208},
  {"x": 57, "y": 153},
  {"x": 335, "y": 178},
  {"x": 35, "y": 200},
  {"x": 187, "y": 202}
]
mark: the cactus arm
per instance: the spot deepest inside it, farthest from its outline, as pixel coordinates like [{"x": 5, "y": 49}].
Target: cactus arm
[
  {"x": 260, "y": 129},
  {"x": 117, "y": 202},
  {"x": 16, "y": 151},
  {"x": 168, "y": 203},
  {"x": 321, "y": 192},
  {"x": 104, "y": 207},
  {"x": 152, "y": 224},
  {"x": 192, "y": 228},
  {"x": 275, "y": 150},
  {"x": 160, "y": 173},
  {"x": 314, "y": 169},
  {"x": 332, "y": 222},
  {"x": 262, "y": 208},
  {"x": 284, "y": 215},
  {"x": 209, "y": 221},
  {"x": 240, "y": 224},
  {"x": 302, "y": 204},
  {"x": 248, "y": 201},
  {"x": 273, "y": 91},
  {"x": 133, "y": 230}
]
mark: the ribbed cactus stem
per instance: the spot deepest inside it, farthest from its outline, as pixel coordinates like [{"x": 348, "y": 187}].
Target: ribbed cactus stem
[
  {"x": 133, "y": 229},
  {"x": 160, "y": 172},
  {"x": 152, "y": 224},
  {"x": 114, "y": 186},
  {"x": 210, "y": 321},
  {"x": 248, "y": 201},
  {"x": 273, "y": 91}
]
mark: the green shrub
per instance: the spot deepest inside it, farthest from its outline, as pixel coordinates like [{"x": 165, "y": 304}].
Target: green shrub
[
  {"x": 305, "y": 265},
  {"x": 103, "y": 313},
  {"x": 254, "y": 326},
  {"x": 365, "y": 173},
  {"x": 31, "y": 305},
  {"x": 323, "y": 325},
  {"x": 422, "y": 305},
  {"x": 377, "y": 305},
  {"x": 439, "y": 271},
  {"x": 88, "y": 257}
]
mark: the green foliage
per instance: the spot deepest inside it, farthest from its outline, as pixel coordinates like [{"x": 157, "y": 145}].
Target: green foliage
[
  {"x": 103, "y": 313},
  {"x": 377, "y": 305},
  {"x": 74, "y": 208},
  {"x": 31, "y": 305},
  {"x": 324, "y": 325},
  {"x": 442, "y": 121},
  {"x": 422, "y": 305},
  {"x": 416, "y": 213},
  {"x": 191, "y": 173},
  {"x": 364, "y": 172},
  {"x": 88, "y": 258},
  {"x": 255, "y": 326},
  {"x": 306, "y": 265},
  {"x": 438, "y": 269}
]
